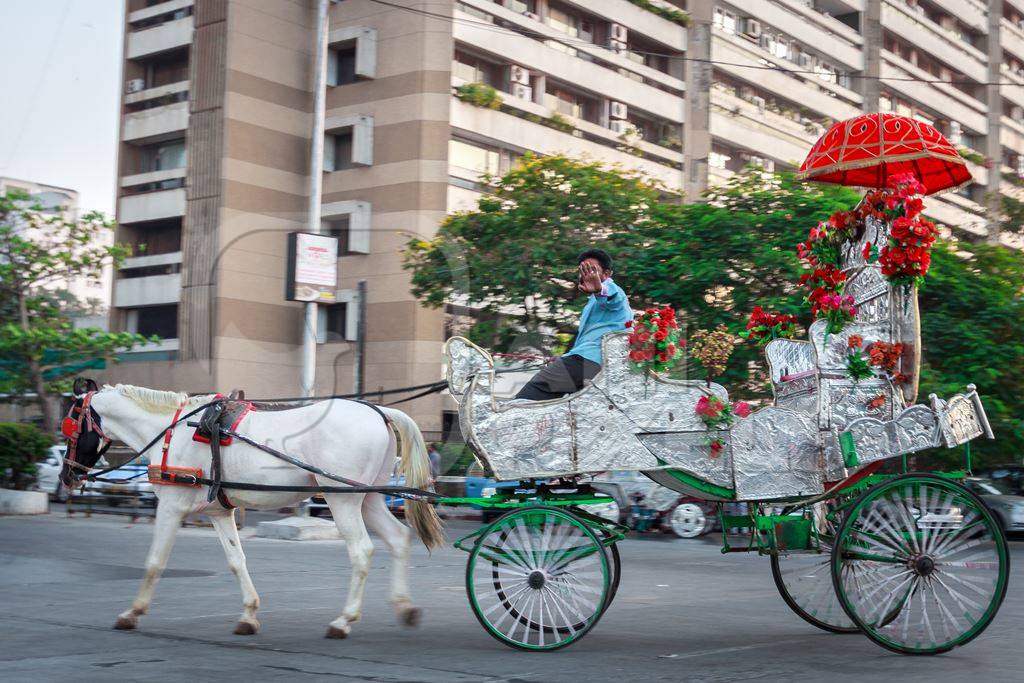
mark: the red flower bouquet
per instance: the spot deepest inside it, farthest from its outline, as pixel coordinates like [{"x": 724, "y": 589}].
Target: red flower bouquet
[
  {"x": 654, "y": 341},
  {"x": 718, "y": 415},
  {"x": 763, "y": 326},
  {"x": 837, "y": 309}
]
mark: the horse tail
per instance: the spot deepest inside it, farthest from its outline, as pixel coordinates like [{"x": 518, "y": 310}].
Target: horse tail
[{"x": 415, "y": 465}]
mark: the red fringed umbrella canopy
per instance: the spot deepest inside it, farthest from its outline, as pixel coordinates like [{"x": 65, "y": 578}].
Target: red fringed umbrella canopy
[{"x": 867, "y": 150}]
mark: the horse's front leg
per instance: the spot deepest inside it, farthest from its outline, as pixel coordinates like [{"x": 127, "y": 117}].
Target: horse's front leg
[
  {"x": 165, "y": 528},
  {"x": 347, "y": 511},
  {"x": 227, "y": 532}
]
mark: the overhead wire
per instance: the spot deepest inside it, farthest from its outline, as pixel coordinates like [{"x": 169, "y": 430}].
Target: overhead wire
[{"x": 521, "y": 31}]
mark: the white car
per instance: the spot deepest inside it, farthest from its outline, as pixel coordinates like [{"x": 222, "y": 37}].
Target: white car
[{"x": 48, "y": 473}]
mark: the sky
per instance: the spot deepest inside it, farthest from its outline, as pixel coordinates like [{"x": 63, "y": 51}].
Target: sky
[{"x": 59, "y": 105}]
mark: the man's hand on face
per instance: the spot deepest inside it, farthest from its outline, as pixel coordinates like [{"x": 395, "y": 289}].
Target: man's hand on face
[{"x": 591, "y": 277}]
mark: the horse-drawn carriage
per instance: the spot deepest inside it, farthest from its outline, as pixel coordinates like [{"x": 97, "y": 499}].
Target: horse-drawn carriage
[{"x": 914, "y": 561}]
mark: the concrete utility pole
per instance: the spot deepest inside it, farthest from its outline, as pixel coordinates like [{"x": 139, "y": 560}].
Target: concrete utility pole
[
  {"x": 316, "y": 163},
  {"x": 360, "y": 369},
  {"x": 697, "y": 127},
  {"x": 872, "y": 31},
  {"x": 994, "y": 101}
]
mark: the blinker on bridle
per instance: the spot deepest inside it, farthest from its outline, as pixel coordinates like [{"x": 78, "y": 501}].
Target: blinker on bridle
[{"x": 81, "y": 421}]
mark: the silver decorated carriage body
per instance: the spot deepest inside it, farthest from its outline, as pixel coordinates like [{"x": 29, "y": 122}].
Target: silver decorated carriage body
[{"x": 821, "y": 427}]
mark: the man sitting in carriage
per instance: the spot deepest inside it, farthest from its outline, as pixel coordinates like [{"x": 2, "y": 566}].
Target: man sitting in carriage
[{"x": 607, "y": 310}]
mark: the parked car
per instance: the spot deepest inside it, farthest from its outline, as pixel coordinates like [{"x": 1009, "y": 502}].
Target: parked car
[
  {"x": 48, "y": 474},
  {"x": 645, "y": 505},
  {"x": 1007, "y": 507},
  {"x": 126, "y": 482},
  {"x": 1008, "y": 477}
]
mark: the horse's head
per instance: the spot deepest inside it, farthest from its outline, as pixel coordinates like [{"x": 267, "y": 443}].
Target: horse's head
[
  {"x": 465, "y": 359},
  {"x": 83, "y": 429}
]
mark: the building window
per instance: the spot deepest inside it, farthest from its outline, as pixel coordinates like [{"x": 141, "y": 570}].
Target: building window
[
  {"x": 166, "y": 69},
  {"x": 353, "y": 55},
  {"x": 473, "y": 69},
  {"x": 152, "y": 237},
  {"x": 339, "y": 228},
  {"x": 335, "y": 317},
  {"x": 571, "y": 103},
  {"x": 161, "y": 321},
  {"x": 163, "y": 156},
  {"x": 349, "y": 221},
  {"x": 343, "y": 150},
  {"x": 473, "y": 157},
  {"x": 345, "y": 65},
  {"x": 726, "y": 21},
  {"x": 565, "y": 20},
  {"x": 348, "y": 142}
]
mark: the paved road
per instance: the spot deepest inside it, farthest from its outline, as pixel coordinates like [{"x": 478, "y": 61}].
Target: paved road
[{"x": 684, "y": 612}]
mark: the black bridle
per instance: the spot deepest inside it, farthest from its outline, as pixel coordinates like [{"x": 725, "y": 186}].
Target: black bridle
[{"x": 83, "y": 430}]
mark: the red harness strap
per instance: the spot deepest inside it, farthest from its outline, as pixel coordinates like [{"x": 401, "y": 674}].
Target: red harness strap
[{"x": 167, "y": 437}]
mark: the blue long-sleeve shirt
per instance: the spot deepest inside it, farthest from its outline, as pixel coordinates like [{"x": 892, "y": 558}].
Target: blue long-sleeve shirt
[{"x": 607, "y": 311}]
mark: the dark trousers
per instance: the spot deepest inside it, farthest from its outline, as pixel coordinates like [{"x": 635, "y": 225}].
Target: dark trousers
[{"x": 561, "y": 376}]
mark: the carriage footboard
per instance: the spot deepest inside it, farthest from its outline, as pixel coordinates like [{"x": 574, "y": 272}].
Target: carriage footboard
[{"x": 943, "y": 423}]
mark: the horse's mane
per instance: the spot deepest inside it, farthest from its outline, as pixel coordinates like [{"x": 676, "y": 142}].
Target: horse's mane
[{"x": 159, "y": 401}]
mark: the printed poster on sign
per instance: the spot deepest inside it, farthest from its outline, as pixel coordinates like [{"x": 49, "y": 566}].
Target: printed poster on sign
[{"x": 312, "y": 267}]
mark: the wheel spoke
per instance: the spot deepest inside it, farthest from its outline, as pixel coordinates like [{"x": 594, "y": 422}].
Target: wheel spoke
[{"x": 951, "y": 569}]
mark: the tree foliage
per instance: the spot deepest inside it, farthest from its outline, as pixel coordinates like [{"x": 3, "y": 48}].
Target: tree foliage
[{"x": 40, "y": 249}]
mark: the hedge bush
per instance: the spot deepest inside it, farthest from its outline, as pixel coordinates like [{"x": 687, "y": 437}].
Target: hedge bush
[{"x": 21, "y": 447}]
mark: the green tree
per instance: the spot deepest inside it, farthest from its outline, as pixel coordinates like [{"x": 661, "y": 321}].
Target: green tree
[
  {"x": 518, "y": 249},
  {"x": 39, "y": 249},
  {"x": 972, "y": 330}
]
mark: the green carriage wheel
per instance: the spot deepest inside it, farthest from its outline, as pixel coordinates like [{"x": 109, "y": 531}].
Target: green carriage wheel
[
  {"x": 804, "y": 579},
  {"x": 920, "y": 564},
  {"x": 538, "y": 578}
]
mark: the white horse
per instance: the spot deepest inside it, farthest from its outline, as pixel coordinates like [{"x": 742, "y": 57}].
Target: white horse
[{"x": 344, "y": 438}]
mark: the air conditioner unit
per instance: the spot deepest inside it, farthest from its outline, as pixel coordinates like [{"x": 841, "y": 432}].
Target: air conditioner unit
[
  {"x": 617, "y": 45},
  {"x": 955, "y": 132},
  {"x": 135, "y": 85},
  {"x": 806, "y": 61},
  {"x": 619, "y": 32},
  {"x": 751, "y": 27},
  {"x": 619, "y": 126},
  {"x": 758, "y": 102},
  {"x": 519, "y": 74},
  {"x": 523, "y": 92},
  {"x": 618, "y": 110}
]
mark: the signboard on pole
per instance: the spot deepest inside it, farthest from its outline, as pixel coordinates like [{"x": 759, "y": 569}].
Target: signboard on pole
[{"x": 312, "y": 268}]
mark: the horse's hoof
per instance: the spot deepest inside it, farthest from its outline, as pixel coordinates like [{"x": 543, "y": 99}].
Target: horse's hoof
[
  {"x": 411, "y": 616},
  {"x": 336, "y": 633},
  {"x": 125, "y": 624},
  {"x": 244, "y": 628}
]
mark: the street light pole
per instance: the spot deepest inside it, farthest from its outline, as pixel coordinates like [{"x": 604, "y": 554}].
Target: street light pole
[{"x": 316, "y": 162}]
